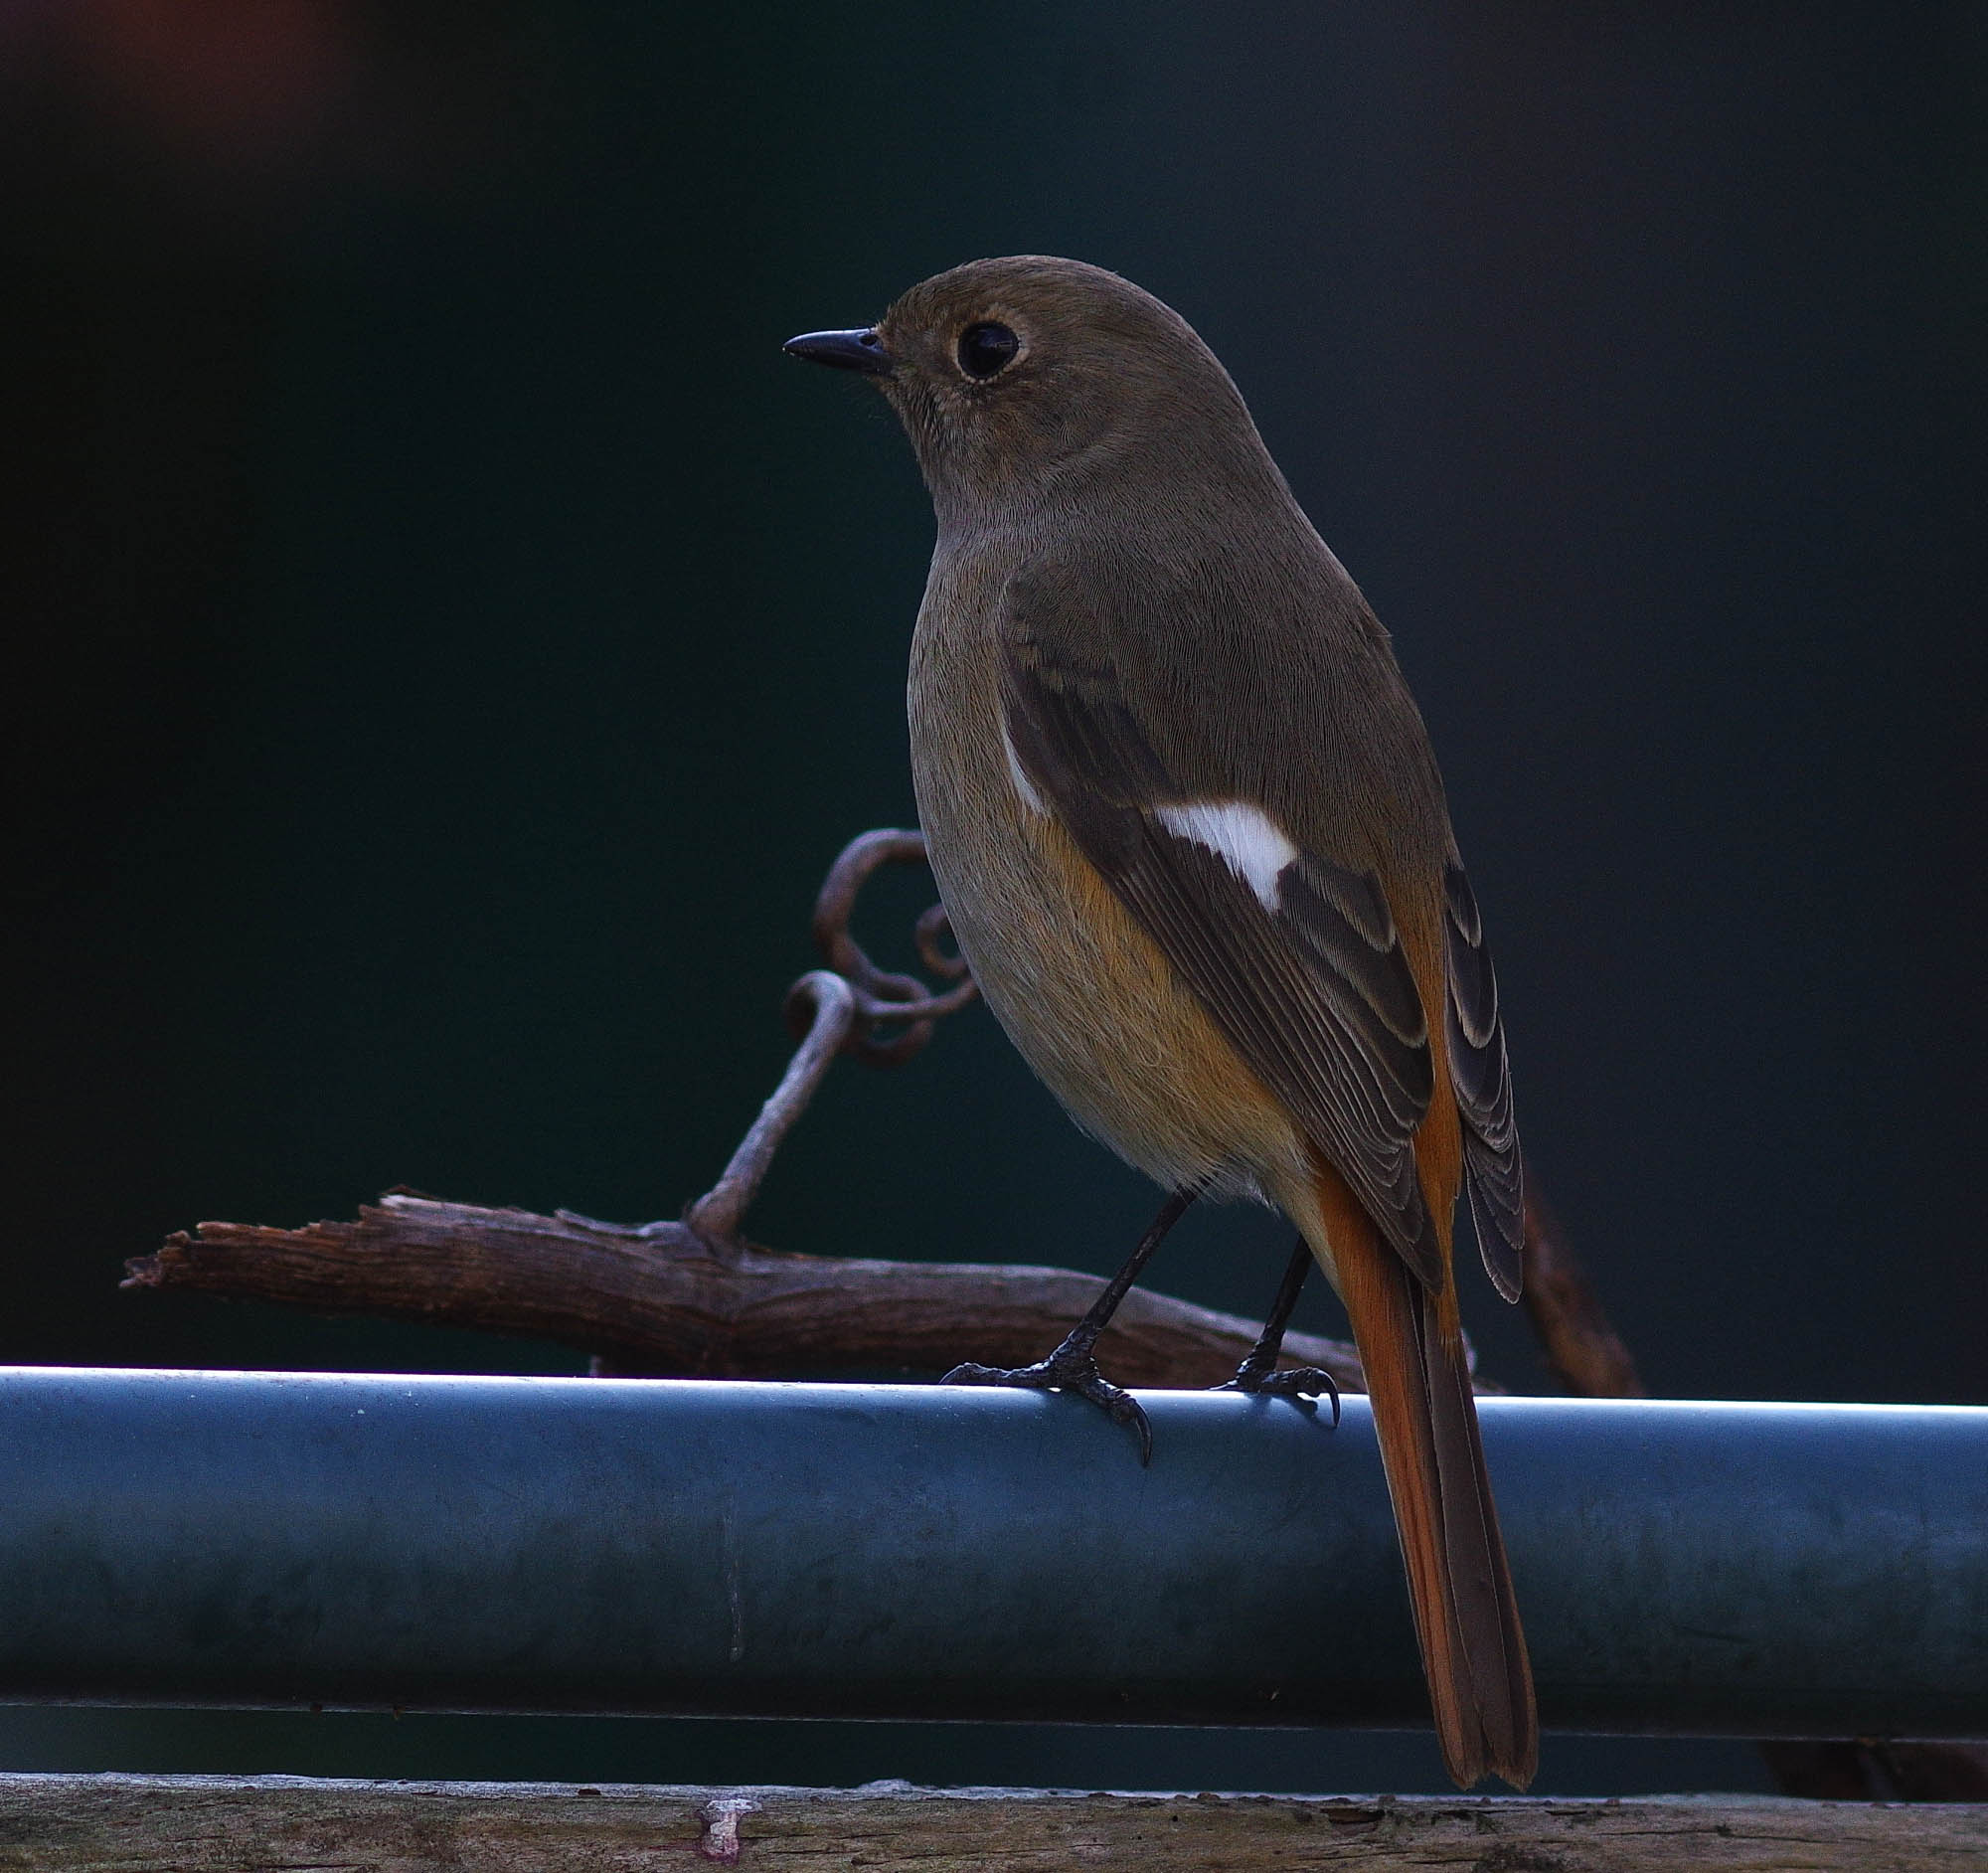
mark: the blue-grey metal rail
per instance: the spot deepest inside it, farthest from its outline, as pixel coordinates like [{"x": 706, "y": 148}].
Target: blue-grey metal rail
[{"x": 918, "y": 1551}]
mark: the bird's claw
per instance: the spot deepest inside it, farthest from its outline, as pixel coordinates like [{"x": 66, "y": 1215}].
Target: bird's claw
[
  {"x": 1067, "y": 1372},
  {"x": 1302, "y": 1384}
]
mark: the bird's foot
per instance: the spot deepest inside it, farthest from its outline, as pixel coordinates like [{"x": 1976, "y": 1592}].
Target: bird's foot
[
  {"x": 1068, "y": 1369},
  {"x": 1303, "y": 1383}
]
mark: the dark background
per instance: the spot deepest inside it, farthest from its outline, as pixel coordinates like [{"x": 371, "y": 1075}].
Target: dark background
[{"x": 447, "y": 641}]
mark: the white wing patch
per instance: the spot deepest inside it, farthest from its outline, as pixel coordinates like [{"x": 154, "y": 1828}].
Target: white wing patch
[
  {"x": 1242, "y": 836},
  {"x": 1029, "y": 796}
]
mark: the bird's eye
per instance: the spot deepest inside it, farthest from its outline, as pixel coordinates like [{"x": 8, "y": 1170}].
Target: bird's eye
[{"x": 985, "y": 348}]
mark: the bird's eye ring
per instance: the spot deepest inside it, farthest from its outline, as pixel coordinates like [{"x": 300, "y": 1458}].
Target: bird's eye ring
[{"x": 986, "y": 349}]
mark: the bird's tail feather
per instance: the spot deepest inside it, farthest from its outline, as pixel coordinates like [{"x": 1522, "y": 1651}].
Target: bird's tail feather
[{"x": 1474, "y": 1649}]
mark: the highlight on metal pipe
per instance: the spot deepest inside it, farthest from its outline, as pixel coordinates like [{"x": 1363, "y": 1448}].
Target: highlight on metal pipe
[{"x": 646, "y": 1546}]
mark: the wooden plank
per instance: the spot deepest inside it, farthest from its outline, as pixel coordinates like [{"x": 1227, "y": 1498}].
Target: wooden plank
[{"x": 217, "y": 1824}]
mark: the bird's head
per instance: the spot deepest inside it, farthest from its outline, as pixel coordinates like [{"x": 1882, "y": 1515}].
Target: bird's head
[{"x": 1021, "y": 380}]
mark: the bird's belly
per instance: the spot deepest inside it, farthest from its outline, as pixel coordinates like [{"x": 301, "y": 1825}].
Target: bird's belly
[{"x": 1087, "y": 996}]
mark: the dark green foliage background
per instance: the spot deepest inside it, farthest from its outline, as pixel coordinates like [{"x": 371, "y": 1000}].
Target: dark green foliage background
[{"x": 448, "y": 640}]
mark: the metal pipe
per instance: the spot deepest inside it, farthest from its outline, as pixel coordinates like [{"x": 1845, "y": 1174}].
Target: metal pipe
[{"x": 919, "y": 1552}]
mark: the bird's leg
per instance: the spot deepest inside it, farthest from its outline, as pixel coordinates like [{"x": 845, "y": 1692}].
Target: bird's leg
[
  {"x": 1259, "y": 1372},
  {"x": 1072, "y": 1367}
]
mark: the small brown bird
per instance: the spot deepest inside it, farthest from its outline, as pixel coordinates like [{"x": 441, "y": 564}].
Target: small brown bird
[{"x": 1190, "y": 834}]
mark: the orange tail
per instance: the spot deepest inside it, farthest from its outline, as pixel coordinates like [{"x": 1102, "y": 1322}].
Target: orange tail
[{"x": 1474, "y": 1649}]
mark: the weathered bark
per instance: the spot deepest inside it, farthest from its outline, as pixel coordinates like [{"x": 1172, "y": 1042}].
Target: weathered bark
[
  {"x": 659, "y": 1299},
  {"x": 203, "y": 1824},
  {"x": 1581, "y": 1344}
]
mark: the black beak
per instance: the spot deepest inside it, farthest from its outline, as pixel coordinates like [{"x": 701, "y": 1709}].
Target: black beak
[{"x": 847, "y": 351}]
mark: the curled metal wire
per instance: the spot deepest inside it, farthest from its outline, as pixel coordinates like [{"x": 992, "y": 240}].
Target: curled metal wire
[
  {"x": 884, "y": 998},
  {"x": 836, "y": 1010}
]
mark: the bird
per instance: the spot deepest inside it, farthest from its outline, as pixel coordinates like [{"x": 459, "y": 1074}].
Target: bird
[{"x": 1190, "y": 834}]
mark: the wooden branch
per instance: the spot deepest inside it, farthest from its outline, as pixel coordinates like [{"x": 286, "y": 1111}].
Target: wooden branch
[
  {"x": 695, "y": 1298},
  {"x": 215, "y": 1824},
  {"x": 658, "y": 1299},
  {"x": 1580, "y": 1346}
]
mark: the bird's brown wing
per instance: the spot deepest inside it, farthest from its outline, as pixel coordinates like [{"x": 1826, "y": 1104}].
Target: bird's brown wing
[
  {"x": 1311, "y": 987},
  {"x": 1493, "y": 1172}
]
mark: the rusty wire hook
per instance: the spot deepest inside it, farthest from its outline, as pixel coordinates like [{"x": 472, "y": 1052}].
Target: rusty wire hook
[{"x": 836, "y": 1010}]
